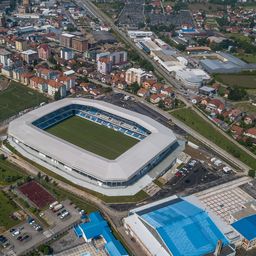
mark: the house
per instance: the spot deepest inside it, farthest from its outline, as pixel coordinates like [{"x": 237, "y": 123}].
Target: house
[
  {"x": 87, "y": 87},
  {"x": 236, "y": 131},
  {"x": 148, "y": 83},
  {"x": 29, "y": 56},
  {"x": 142, "y": 92},
  {"x": 215, "y": 105},
  {"x": 39, "y": 83},
  {"x": 94, "y": 92},
  {"x": 168, "y": 102},
  {"x": 249, "y": 119},
  {"x": 235, "y": 114},
  {"x": 54, "y": 87},
  {"x": 155, "y": 98},
  {"x": 251, "y": 133},
  {"x": 156, "y": 88},
  {"x": 168, "y": 91},
  {"x": 43, "y": 51},
  {"x": 68, "y": 81},
  {"x": 25, "y": 78},
  {"x": 17, "y": 72}
]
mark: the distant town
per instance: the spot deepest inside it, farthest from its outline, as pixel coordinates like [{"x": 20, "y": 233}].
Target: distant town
[{"x": 127, "y": 128}]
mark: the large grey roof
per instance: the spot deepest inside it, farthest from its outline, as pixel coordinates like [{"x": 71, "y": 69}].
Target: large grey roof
[{"x": 119, "y": 169}]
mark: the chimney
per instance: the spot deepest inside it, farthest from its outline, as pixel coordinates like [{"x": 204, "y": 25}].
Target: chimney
[{"x": 218, "y": 248}]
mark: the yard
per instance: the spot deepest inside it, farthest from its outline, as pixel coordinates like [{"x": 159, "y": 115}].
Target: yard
[
  {"x": 7, "y": 208},
  {"x": 193, "y": 120},
  {"x": 17, "y": 98},
  {"x": 241, "y": 80},
  {"x": 93, "y": 137},
  {"x": 9, "y": 172}
]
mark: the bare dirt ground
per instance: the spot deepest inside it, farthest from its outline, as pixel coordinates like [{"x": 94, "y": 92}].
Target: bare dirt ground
[{"x": 4, "y": 83}]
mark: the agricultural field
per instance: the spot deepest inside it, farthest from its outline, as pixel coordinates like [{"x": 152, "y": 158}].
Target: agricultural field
[
  {"x": 95, "y": 138},
  {"x": 7, "y": 208},
  {"x": 197, "y": 123},
  {"x": 9, "y": 172},
  {"x": 241, "y": 80},
  {"x": 246, "y": 107},
  {"x": 17, "y": 98}
]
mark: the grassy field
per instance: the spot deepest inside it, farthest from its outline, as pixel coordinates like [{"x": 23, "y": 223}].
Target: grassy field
[
  {"x": 17, "y": 98},
  {"x": 246, "y": 107},
  {"x": 247, "y": 81},
  {"x": 9, "y": 173},
  {"x": 140, "y": 196},
  {"x": 249, "y": 58},
  {"x": 93, "y": 137},
  {"x": 7, "y": 207},
  {"x": 197, "y": 123}
]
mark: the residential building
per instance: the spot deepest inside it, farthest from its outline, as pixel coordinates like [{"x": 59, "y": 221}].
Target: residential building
[
  {"x": 215, "y": 105},
  {"x": 134, "y": 75},
  {"x": 7, "y": 71},
  {"x": 17, "y": 72},
  {"x": 117, "y": 58},
  {"x": 25, "y": 78},
  {"x": 155, "y": 98},
  {"x": 44, "y": 51},
  {"x": 68, "y": 81},
  {"x": 142, "y": 92},
  {"x": 29, "y": 56},
  {"x": 251, "y": 133},
  {"x": 79, "y": 44},
  {"x": 4, "y": 56},
  {"x": 66, "y": 54},
  {"x": 104, "y": 65},
  {"x": 2, "y": 19},
  {"x": 21, "y": 45},
  {"x": 39, "y": 84},
  {"x": 54, "y": 87},
  {"x": 66, "y": 40}
]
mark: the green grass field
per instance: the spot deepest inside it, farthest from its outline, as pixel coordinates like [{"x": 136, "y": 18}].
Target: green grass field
[
  {"x": 7, "y": 208},
  {"x": 246, "y": 81},
  {"x": 16, "y": 98},
  {"x": 249, "y": 58},
  {"x": 197, "y": 123},
  {"x": 9, "y": 173},
  {"x": 93, "y": 137}
]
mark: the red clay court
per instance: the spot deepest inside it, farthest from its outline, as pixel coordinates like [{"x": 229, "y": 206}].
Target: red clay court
[{"x": 36, "y": 194}]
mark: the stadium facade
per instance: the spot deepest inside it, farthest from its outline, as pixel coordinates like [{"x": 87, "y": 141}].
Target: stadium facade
[{"x": 155, "y": 152}]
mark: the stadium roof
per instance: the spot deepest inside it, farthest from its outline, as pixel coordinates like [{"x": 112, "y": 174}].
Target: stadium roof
[
  {"x": 246, "y": 227},
  {"x": 179, "y": 227},
  {"x": 120, "y": 169}
]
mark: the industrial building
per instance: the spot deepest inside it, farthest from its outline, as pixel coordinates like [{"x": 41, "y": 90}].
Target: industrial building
[
  {"x": 224, "y": 63},
  {"x": 177, "y": 227},
  {"x": 192, "y": 78}
]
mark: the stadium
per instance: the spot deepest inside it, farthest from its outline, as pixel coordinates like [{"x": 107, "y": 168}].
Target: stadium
[{"x": 96, "y": 144}]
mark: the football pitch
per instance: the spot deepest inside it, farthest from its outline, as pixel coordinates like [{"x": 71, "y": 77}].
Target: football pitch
[
  {"x": 17, "y": 98},
  {"x": 93, "y": 137}
]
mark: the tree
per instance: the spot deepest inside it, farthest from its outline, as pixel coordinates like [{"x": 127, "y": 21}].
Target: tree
[
  {"x": 252, "y": 173},
  {"x": 39, "y": 175},
  {"x": 134, "y": 87},
  {"x": 237, "y": 94},
  {"x": 45, "y": 249},
  {"x": 46, "y": 178},
  {"x": 57, "y": 95}
]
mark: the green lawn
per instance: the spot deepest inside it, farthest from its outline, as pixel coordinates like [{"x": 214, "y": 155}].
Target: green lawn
[
  {"x": 9, "y": 173},
  {"x": 197, "y": 123},
  {"x": 16, "y": 98},
  {"x": 7, "y": 208},
  {"x": 249, "y": 58},
  {"x": 242, "y": 80},
  {"x": 93, "y": 137}
]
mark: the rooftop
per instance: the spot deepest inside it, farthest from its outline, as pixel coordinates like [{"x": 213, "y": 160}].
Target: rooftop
[{"x": 246, "y": 227}]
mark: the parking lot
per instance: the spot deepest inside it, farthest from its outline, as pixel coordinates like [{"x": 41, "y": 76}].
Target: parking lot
[{"x": 33, "y": 232}]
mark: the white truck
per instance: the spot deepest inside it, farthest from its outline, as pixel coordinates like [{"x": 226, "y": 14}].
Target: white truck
[
  {"x": 57, "y": 207},
  {"x": 53, "y": 204}
]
